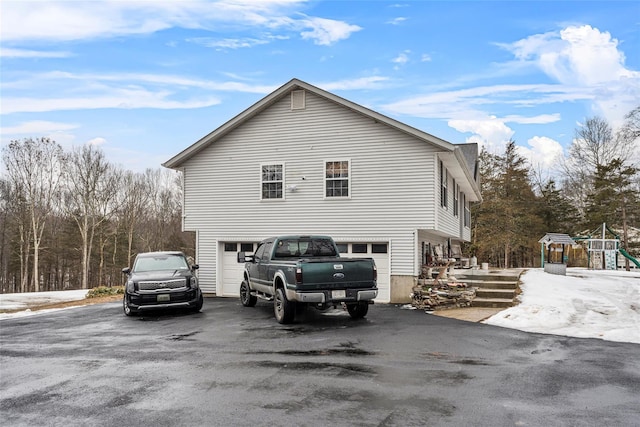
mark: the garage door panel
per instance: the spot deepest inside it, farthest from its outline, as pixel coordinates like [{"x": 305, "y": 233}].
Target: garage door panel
[
  {"x": 375, "y": 251},
  {"x": 232, "y": 270}
]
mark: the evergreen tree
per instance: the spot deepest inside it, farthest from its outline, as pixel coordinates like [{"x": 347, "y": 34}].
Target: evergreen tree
[
  {"x": 507, "y": 225},
  {"x": 557, "y": 213},
  {"x": 612, "y": 195}
]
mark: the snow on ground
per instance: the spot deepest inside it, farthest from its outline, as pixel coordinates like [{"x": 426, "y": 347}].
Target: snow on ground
[
  {"x": 24, "y": 300},
  {"x": 584, "y": 303}
]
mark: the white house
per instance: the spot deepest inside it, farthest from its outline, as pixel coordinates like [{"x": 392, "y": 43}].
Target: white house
[{"x": 305, "y": 161}]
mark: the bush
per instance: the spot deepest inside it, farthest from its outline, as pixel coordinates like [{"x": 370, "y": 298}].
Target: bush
[{"x": 105, "y": 291}]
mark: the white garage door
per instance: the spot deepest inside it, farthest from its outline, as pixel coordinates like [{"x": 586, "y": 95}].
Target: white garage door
[
  {"x": 231, "y": 270},
  {"x": 380, "y": 253}
]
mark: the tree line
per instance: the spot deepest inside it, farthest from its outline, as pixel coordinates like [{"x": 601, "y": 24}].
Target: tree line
[
  {"x": 73, "y": 220},
  {"x": 598, "y": 182}
]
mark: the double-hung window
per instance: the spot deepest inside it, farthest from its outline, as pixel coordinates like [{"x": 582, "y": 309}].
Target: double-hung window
[
  {"x": 467, "y": 211},
  {"x": 456, "y": 196},
  {"x": 444, "y": 177},
  {"x": 337, "y": 178},
  {"x": 272, "y": 181}
]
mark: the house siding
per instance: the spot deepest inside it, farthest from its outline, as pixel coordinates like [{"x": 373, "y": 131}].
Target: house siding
[
  {"x": 393, "y": 183},
  {"x": 207, "y": 248}
]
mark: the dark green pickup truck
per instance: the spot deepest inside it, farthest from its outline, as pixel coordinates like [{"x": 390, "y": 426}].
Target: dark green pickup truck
[{"x": 306, "y": 270}]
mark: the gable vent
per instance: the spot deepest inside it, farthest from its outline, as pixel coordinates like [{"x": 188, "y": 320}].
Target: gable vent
[{"x": 297, "y": 100}]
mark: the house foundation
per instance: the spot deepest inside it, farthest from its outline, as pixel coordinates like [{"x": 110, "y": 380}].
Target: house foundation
[{"x": 401, "y": 288}]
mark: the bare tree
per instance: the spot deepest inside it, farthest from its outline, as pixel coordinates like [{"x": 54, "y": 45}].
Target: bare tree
[
  {"x": 20, "y": 215},
  {"x": 134, "y": 205},
  {"x": 5, "y": 217},
  {"x": 163, "y": 205},
  {"x": 629, "y": 133},
  {"x": 92, "y": 184},
  {"x": 34, "y": 169},
  {"x": 595, "y": 145}
]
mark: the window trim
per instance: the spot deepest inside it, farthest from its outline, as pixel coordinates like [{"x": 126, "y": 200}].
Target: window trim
[
  {"x": 275, "y": 199},
  {"x": 325, "y": 179}
]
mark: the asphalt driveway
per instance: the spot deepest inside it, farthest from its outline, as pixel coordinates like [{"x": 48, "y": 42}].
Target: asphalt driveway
[{"x": 230, "y": 365}]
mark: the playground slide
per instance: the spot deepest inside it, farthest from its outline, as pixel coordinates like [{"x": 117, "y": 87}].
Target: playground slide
[{"x": 629, "y": 257}]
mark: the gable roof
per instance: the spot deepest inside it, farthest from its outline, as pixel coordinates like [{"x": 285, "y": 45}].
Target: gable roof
[
  {"x": 557, "y": 238},
  {"x": 463, "y": 153}
]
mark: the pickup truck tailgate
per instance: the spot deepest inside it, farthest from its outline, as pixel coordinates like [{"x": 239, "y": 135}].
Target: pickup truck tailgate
[{"x": 337, "y": 273}]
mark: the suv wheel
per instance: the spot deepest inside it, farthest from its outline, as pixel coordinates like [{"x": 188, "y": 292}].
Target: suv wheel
[
  {"x": 283, "y": 308},
  {"x": 127, "y": 309},
  {"x": 246, "y": 298},
  {"x": 359, "y": 310},
  {"x": 198, "y": 306}
]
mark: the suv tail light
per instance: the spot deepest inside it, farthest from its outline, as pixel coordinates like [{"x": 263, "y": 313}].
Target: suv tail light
[
  {"x": 298, "y": 275},
  {"x": 375, "y": 273}
]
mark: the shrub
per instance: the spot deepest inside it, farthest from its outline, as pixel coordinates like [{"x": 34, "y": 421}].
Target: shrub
[{"x": 104, "y": 291}]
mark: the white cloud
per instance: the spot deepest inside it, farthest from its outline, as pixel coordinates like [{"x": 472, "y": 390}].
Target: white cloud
[
  {"x": 119, "y": 98},
  {"x": 327, "y": 31},
  {"x": 397, "y": 21},
  {"x": 60, "y": 20},
  {"x": 539, "y": 119},
  {"x": 542, "y": 152},
  {"x": 228, "y": 43},
  {"x": 402, "y": 58},
  {"x": 425, "y": 57},
  {"x": 587, "y": 65},
  {"x": 584, "y": 57},
  {"x": 37, "y": 127},
  {"x": 472, "y": 103},
  {"x": 490, "y": 133},
  {"x": 78, "y": 20},
  {"x": 575, "y": 55},
  {"x": 24, "y": 53},
  {"x": 360, "y": 83},
  {"x": 117, "y": 90}
]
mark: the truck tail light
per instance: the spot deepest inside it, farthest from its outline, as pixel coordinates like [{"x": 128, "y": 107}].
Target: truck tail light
[
  {"x": 298, "y": 275},
  {"x": 375, "y": 273}
]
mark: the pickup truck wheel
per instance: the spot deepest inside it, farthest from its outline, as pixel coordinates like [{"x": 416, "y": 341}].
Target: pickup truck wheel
[
  {"x": 246, "y": 298},
  {"x": 359, "y": 310},
  {"x": 283, "y": 308}
]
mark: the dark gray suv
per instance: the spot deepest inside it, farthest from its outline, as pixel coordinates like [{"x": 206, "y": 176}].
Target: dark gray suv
[{"x": 160, "y": 280}]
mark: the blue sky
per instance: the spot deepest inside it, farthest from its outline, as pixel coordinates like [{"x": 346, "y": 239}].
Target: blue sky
[{"x": 146, "y": 79}]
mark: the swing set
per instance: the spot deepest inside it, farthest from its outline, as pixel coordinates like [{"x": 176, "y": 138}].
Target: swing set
[{"x": 603, "y": 251}]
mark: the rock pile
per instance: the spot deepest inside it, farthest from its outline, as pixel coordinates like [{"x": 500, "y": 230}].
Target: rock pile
[{"x": 442, "y": 292}]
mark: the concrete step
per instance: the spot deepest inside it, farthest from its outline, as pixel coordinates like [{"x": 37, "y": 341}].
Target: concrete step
[
  {"x": 489, "y": 283},
  {"x": 492, "y": 302},
  {"x": 487, "y": 277},
  {"x": 496, "y": 293},
  {"x": 494, "y": 288}
]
